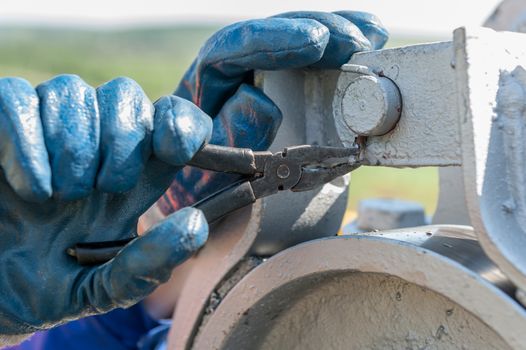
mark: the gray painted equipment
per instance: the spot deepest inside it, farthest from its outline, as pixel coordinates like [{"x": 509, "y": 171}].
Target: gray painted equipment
[
  {"x": 450, "y": 104},
  {"x": 369, "y": 292}
]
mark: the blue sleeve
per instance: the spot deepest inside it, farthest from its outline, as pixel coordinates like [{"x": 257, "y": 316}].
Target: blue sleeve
[{"x": 120, "y": 329}]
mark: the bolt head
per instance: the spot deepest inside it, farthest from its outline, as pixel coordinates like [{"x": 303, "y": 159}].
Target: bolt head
[{"x": 371, "y": 105}]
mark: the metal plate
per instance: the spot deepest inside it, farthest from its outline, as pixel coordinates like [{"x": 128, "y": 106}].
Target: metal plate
[{"x": 427, "y": 133}]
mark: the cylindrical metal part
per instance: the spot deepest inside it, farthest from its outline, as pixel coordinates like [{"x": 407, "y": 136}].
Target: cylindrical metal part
[
  {"x": 371, "y": 105},
  {"x": 368, "y": 292}
]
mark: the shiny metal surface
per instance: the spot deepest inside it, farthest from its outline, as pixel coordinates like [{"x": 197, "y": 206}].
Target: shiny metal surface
[{"x": 469, "y": 253}]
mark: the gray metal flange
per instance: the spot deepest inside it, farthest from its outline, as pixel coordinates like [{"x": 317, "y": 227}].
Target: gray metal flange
[
  {"x": 367, "y": 292},
  {"x": 492, "y": 95}
]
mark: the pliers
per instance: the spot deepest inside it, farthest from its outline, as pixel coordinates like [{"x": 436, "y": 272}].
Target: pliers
[{"x": 297, "y": 168}]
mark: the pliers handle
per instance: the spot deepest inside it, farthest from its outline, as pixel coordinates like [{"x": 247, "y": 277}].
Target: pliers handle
[{"x": 298, "y": 168}]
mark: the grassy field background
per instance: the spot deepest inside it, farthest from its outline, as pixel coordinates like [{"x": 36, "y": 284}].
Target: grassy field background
[{"x": 157, "y": 58}]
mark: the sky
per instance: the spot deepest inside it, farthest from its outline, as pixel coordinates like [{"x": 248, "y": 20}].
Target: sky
[{"x": 400, "y": 16}]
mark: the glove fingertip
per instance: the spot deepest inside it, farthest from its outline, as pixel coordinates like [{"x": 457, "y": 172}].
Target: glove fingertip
[
  {"x": 71, "y": 126},
  {"x": 249, "y": 114},
  {"x": 31, "y": 189},
  {"x": 126, "y": 116},
  {"x": 309, "y": 36},
  {"x": 345, "y": 38},
  {"x": 147, "y": 262},
  {"x": 167, "y": 244},
  {"x": 370, "y": 25},
  {"x": 40, "y": 191},
  {"x": 23, "y": 155},
  {"x": 30, "y": 178},
  {"x": 180, "y": 130},
  {"x": 318, "y": 34},
  {"x": 187, "y": 228}
]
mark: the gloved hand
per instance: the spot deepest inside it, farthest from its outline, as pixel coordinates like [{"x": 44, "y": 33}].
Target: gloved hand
[
  {"x": 219, "y": 81},
  {"x": 80, "y": 164}
]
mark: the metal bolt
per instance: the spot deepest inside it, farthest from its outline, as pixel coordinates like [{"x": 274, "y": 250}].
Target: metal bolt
[
  {"x": 283, "y": 171},
  {"x": 371, "y": 105}
]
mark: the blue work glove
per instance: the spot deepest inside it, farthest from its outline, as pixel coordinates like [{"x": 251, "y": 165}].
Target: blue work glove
[
  {"x": 82, "y": 164},
  {"x": 219, "y": 81}
]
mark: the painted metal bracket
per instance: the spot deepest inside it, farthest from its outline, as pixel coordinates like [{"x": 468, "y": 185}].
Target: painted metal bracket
[
  {"x": 492, "y": 116},
  {"x": 427, "y": 133},
  {"x": 463, "y": 103}
]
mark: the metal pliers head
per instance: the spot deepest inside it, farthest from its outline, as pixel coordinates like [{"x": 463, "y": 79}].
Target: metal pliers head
[
  {"x": 303, "y": 168},
  {"x": 298, "y": 168}
]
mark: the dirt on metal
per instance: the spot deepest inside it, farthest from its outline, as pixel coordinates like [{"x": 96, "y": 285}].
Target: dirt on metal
[{"x": 376, "y": 311}]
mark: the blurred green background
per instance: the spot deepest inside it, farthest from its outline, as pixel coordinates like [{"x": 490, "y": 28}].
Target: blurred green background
[{"x": 157, "y": 58}]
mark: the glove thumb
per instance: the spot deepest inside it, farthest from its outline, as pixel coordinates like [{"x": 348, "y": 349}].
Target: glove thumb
[{"x": 145, "y": 263}]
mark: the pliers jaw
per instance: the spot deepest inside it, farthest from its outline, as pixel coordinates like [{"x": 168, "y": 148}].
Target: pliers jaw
[
  {"x": 324, "y": 164},
  {"x": 312, "y": 178},
  {"x": 303, "y": 168}
]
